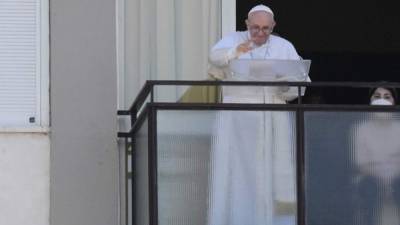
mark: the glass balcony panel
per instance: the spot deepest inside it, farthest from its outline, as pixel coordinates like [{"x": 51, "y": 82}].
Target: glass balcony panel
[
  {"x": 226, "y": 167},
  {"x": 352, "y": 168},
  {"x": 141, "y": 176}
]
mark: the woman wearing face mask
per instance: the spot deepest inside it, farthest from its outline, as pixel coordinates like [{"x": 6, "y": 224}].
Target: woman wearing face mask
[
  {"x": 382, "y": 96},
  {"x": 376, "y": 145}
]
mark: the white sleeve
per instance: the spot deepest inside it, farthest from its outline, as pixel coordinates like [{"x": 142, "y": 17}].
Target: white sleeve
[
  {"x": 291, "y": 52},
  {"x": 221, "y": 57},
  {"x": 224, "y": 51}
]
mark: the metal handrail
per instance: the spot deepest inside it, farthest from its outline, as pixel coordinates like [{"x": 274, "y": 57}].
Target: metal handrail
[
  {"x": 149, "y": 86},
  {"x": 148, "y": 89}
]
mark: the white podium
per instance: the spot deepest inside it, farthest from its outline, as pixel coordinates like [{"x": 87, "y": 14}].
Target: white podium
[{"x": 269, "y": 70}]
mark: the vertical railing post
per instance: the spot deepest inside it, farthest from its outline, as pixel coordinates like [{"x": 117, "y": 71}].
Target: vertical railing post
[
  {"x": 300, "y": 167},
  {"x": 153, "y": 192},
  {"x": 299, "y": 99},
  {"x": 130, "y": 176}
]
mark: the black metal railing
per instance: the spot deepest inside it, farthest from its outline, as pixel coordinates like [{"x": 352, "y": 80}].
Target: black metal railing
[{"x": 146, "y": 106}]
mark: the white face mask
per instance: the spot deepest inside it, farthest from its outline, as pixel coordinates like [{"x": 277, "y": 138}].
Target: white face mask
[{"x": 381, "y": 101}]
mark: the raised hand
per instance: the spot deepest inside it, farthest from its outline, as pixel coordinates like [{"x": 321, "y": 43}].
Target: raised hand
[{"x": 244, "y": 47}]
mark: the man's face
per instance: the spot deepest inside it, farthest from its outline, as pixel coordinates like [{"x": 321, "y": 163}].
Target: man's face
[{"x": 260, "y": 25}]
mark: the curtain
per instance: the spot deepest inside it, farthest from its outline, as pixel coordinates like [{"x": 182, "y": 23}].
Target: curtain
[{"x": 166, "y": 40}]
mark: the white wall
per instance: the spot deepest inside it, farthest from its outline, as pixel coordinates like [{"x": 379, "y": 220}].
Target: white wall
[{"x": 24, "y": 178}]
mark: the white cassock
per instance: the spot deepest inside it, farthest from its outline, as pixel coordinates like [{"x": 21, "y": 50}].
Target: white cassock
[{"x": 253, "y": 153}]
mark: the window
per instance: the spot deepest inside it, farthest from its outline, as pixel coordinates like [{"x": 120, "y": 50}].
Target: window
[{"x": 24, "y": 63}]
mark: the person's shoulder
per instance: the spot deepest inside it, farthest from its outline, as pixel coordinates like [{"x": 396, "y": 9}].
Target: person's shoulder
[
  {"x": 237, "y": 35},
  {"x": 231, "y": 39},
  {"x": 280, "y": 40}
]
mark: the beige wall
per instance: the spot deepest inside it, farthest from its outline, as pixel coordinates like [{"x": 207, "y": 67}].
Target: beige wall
[
  {"x": 24, "y": 178},
  {"x": 84, "y": 155}
]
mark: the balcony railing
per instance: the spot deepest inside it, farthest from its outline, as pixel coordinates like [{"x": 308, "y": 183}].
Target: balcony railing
[{"x": 207, "y": 162}]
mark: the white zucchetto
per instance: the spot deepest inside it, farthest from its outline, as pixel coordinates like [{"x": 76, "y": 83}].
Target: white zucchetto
[{"x": 260, "y": 8}]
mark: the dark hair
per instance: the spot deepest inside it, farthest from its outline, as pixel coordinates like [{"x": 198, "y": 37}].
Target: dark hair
[{"x": 392, "y": 91}]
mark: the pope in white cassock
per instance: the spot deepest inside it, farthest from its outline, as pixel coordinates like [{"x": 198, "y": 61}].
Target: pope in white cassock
[{"x": 253, "y": 155}]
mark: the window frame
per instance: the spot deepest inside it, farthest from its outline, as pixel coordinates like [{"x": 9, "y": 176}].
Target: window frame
[{"x": 42, "y": 123}]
